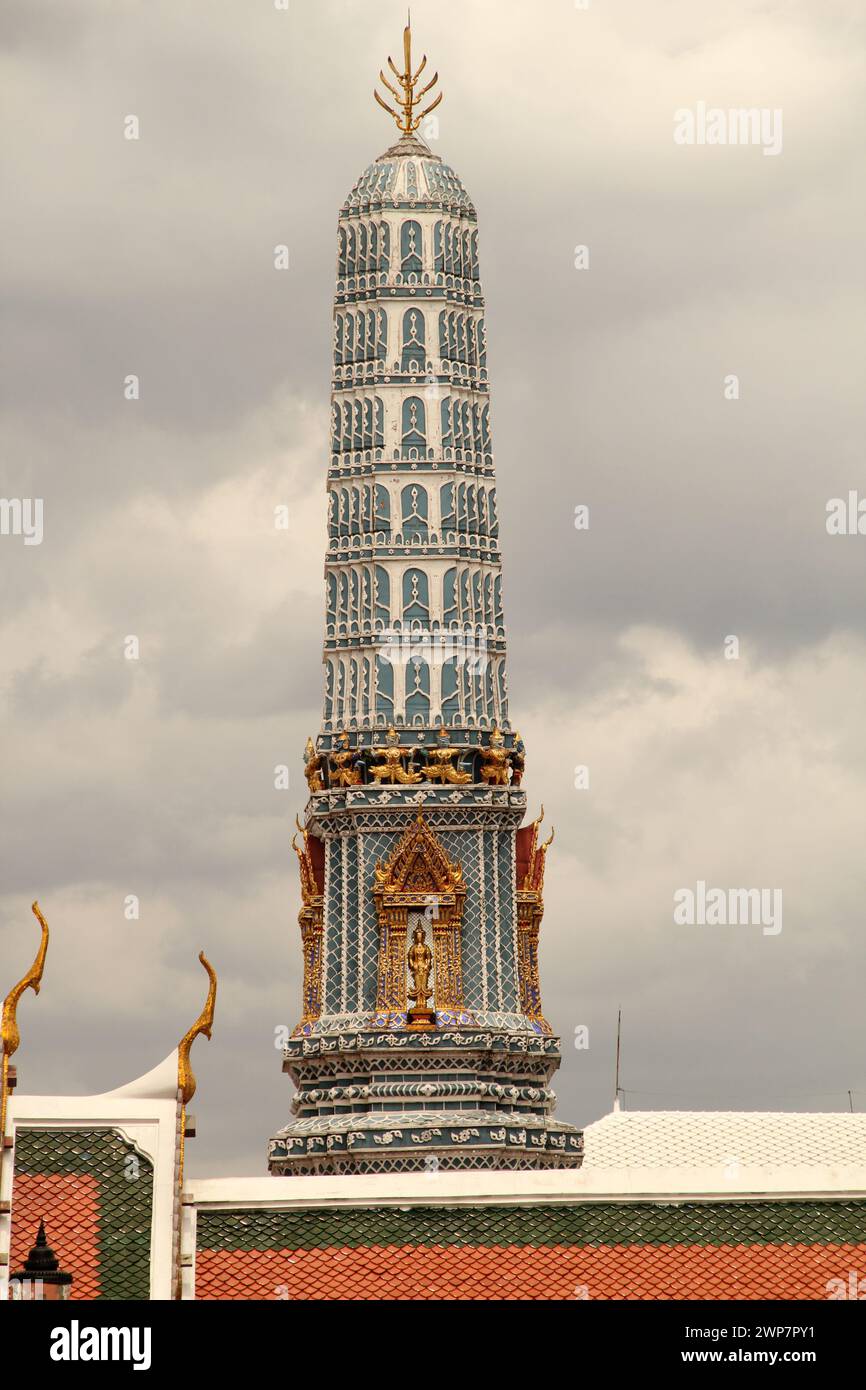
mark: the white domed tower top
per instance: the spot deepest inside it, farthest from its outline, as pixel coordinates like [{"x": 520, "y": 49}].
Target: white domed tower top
[
  {"x": 409, "y": 174},
  {"x": 394, "y": 175}
]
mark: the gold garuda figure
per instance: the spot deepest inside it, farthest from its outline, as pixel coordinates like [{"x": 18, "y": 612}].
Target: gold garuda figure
[
  {"x": 495, "y": 760},
  {"x": 391, "y": 770},
  {"x": 313, "y": 768},
  {"x": 343, "y": 774},
  {"x": 440, "y": 766},
  {"x": 518, "y": 760}
]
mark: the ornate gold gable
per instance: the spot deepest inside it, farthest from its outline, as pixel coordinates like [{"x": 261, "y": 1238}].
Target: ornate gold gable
[
  {"x": 530, "y": 910},
  {"x": 419, "y": 876},
  {"x": 311, "y": 921}
]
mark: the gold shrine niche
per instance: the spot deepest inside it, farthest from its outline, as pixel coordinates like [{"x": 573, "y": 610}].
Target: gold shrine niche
[{"x": 419, "y": 881}]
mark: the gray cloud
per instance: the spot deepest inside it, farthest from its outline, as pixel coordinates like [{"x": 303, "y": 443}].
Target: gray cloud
[{"x": 707, "y": 518}]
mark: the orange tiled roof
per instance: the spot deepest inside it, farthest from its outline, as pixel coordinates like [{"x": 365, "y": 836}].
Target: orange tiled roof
[
  {"x": 687, "y": 1249},
  {"x": 70, "y": 1206},
  {"x": 528, "y": 1272}
]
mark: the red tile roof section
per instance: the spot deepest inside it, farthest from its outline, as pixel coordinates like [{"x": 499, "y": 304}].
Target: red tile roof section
[
  {"x": 528, "y": 1272},
  {"x": 70, "y": 1207}
]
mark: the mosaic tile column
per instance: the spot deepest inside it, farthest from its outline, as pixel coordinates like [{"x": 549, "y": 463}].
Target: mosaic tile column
[{"x": 416, "y": 799}]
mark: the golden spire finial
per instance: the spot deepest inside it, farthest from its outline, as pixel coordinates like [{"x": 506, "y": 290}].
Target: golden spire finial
[
  {"x": 203, "y": 1024},
  {"x": 9, "y": 1035},
  {"x": 408, "y": 99}
]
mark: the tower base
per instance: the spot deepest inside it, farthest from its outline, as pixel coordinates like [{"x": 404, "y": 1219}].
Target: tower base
[{"x": 402, "y": 1100}]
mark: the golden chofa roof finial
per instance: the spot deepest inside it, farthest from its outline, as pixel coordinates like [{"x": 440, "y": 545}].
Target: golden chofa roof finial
[
  {"x": 203, "y": 1024},
  {"x": 10, "y": 1037},
  {"x": 408, "y": 99}
]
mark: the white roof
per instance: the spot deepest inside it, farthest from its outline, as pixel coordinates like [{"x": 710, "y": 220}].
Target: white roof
[
  {"x": 727, "y": 1138},
  {"x": 642, "y": 1155}
]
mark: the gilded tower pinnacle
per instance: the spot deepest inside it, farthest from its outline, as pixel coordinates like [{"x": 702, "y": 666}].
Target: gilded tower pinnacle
[{"x": 407, "y": 98}]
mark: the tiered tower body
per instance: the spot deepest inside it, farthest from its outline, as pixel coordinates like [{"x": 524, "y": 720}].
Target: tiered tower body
[{"x": 416, "y": 803}]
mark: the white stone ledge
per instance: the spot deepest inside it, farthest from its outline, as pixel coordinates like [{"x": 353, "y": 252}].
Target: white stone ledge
[{"x": 546, "y": 1186}]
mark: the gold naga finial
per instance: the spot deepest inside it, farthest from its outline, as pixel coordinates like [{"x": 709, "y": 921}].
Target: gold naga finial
[
  {"x": 408, "y": 99},
  {"x": 9, "y": 1034},
  {"x": 203, "y": 1024},
  {"x": 549, "y": 841}
]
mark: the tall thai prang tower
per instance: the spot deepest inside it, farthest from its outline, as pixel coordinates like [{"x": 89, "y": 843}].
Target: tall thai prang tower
[{"x": 422, "y": 1040}]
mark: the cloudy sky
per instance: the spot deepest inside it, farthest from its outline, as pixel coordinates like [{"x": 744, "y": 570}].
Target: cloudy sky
[{"x": 707, "y": 519}]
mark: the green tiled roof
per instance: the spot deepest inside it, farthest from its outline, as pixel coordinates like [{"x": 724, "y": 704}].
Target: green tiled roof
[
  {"x": 124, "y": 1183},
  {"x": 814, "y": 1222}
]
